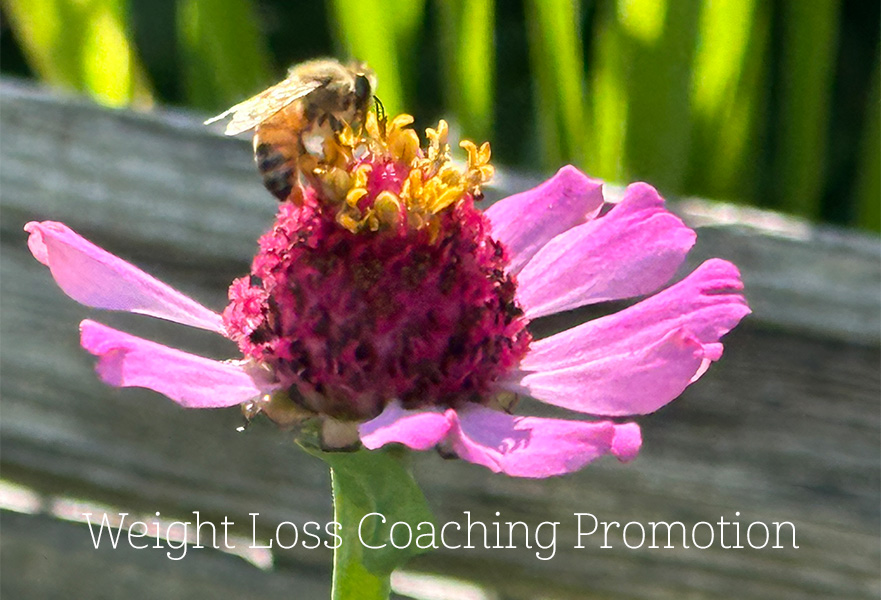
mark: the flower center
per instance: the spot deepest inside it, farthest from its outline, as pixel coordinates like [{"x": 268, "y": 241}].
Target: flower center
[{"x": 384, "y": 283}]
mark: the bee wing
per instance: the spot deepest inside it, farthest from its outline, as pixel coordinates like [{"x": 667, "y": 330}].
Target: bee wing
[{"x": 253, "y": 111}]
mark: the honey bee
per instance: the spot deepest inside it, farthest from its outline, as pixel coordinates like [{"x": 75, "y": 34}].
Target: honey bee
[{"x": 316, "y": 99}]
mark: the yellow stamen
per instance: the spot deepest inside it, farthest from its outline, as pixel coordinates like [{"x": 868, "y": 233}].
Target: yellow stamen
[
  {"x": 438, "y": 148},
  {"x": 404, "y": 145},
  {"x": 348, "y": 221},
  {"x": 337, "y": 183},
  {"x": 432, "y": 183},
  {"x": 479, "y": 169},
  {"x": 354, "y": 196},
  {"x": 387, "y": 207}
]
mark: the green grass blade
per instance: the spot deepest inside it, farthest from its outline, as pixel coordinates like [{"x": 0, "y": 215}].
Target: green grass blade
[
  {"x": 409, "y": 16},
  {"x": 718, "y": 62},
  {"x": 730, "y": 66},
  {"x": 555, "y": 50},
  {"x": 608, "y": 108},
  {"x": 225, "y": 56},
  {"x": 658, "y": 88},
  {"x": 640, "y": 122},
  {"x": 468, "y": 59},
  {"x": 82, "y": 46},
  {"x": 809, "y": 48},
  {"x": 869, "y": 175},
  {"x": 385, "y": 35}
]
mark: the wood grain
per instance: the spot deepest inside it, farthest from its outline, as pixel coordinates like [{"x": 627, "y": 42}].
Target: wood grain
[{"x": 784, "y": 428}]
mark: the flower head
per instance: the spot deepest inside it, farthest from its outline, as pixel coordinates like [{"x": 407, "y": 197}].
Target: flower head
[
  {"x": 383, "y": 284},
  {"x": 385, "y": 307}
]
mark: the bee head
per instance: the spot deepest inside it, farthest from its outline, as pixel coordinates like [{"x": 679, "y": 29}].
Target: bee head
[
  {"x": 363, "y": 90},
  {"x": 365, "y": 83}
]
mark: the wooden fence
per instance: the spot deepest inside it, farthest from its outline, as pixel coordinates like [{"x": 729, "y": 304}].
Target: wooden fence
[{"x": 784, "y": 428}]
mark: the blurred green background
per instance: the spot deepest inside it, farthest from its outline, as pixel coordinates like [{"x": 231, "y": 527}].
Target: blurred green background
[{"x": 773, "y": 103}]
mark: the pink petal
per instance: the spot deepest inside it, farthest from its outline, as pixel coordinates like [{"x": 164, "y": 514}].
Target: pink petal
[
  {"x": 637, "y": 360},
  {"x": 631, "y": 383},
  {"x": 98, "y": 279},
  {"x": 191, "y": 381},
  {"x": 527, "y": 221},
  {"x": 534, "y": 447},
  {"x": 627, "y": 441},
  {"x": 633, "y": 250},
  {"x": 707, "y": 304},
  {"x": 416, "y": 429}
]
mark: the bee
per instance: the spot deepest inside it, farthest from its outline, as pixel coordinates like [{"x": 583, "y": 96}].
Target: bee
[{"x": 316, "y": 99}]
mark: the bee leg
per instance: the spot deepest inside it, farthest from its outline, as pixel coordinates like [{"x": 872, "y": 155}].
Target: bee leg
[
  {"x": 381, "y": 115},
  {"x": 379, "y": 109},
  {"x": 336, "y": 125},
  {"x": 296, "y": 195}
]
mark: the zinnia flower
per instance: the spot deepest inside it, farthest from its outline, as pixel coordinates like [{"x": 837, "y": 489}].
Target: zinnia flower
[{"x": 384, "y": 307}]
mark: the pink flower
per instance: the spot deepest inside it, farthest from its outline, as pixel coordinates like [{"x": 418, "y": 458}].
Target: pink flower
[{"x": 387, "y": 306}]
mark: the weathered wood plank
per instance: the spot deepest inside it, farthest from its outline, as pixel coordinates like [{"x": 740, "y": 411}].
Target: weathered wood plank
[
  {"x": 785, "y": 427},
  {"x": 55, "y": 560}
]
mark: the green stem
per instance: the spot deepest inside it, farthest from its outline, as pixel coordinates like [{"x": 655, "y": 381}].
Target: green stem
[
  {"x": 373, "y": 491},
  {"x": 350, "y": 579}
]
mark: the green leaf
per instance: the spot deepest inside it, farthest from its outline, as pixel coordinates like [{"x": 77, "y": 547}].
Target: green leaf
[
  {"x": 83, "y": 46},
  {"x": 468, "y": 60},
  {"x": 225, "y": 55},
  {"x": 366, "y": 482}
]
